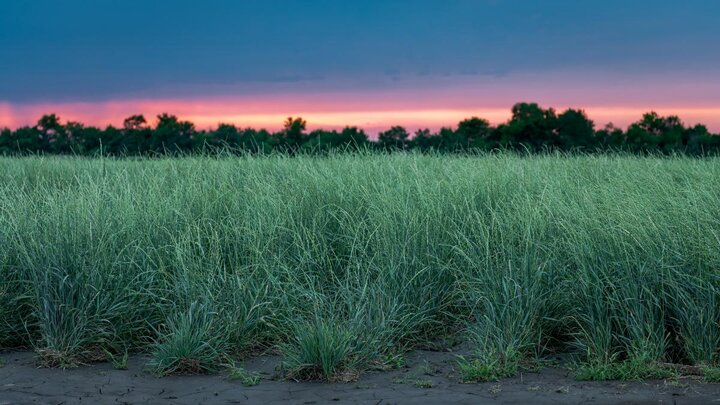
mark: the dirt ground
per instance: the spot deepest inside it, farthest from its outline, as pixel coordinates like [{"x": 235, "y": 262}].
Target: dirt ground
[{"x": 428, "y": 378}]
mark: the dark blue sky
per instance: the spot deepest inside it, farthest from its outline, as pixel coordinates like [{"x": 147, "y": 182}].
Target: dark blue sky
[{"x": 101, "y": 49}]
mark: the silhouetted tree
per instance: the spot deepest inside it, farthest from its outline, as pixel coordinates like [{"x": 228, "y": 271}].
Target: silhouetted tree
[
  {"x": 425, "y": 141},
  {"x": 52, "y": 136},
  {"x": 395, "y": 138},
  {"x": 610, "y": 137},
  {"x": 134, "y": 122},
  {"x": 172, "y": 135},
  {"x": 352, "y": 138},
  {"x": 226, "y": 135},
  {"x": 29, "y": 139},
  {"x": 449, "y": 140},
  {"x": 293, "y": 133},
  {"x": 655, "y": 133},
  {"x": 48, "y": 124},
  {"x": 6, "y": 136},
  {"x": 575, "y": 131},
  {"x": 474, "y": 133},
  {"x": 258, "y": 141},
  {"x": 349, "y": 139},
  {"x": 92, "y": 140},
  {"x": 530, "y": 127},
  {"x": 698, "y": 140}
]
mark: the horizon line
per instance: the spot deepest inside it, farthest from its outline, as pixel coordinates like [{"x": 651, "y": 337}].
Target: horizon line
[{"x": 209, "y": 115}]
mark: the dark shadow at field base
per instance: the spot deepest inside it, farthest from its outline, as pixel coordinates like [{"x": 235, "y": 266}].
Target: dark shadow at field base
[{"x": 428, "y": 377}]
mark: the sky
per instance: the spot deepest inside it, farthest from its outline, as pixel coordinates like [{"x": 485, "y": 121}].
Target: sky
[{"x": 370, "y": 63}]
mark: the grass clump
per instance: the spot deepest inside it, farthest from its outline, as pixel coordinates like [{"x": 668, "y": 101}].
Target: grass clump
[
  {"x": 632, "y": 370},
  {"x": 344, "y": 262},
  {"x": 423, "y": 383},
  {"x": 246, "y": 378},
  {"x": 486, "y": 369},
  {"x": 321, "y": 351},
  {"x": 392, "y": 361},
  {"x": 119, "y": 361},
  {"x": 712, "y": 374},
  {"x": 509, "y": 295},
  {"x": 190, "y": 344}
]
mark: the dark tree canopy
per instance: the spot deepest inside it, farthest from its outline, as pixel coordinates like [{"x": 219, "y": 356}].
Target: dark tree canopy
[
  {"x": 531, "y": 128},
  {"x": 394, "y": 138},
  {"x": 293, "y": 133},
  {"x": 576, "y": 129}
]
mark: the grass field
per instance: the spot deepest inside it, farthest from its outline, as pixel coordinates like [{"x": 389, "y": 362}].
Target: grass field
[{"x": 344, "y": 263}]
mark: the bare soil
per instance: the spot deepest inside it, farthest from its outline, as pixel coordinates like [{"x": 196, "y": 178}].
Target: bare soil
[{"x": 429, "y": 377}]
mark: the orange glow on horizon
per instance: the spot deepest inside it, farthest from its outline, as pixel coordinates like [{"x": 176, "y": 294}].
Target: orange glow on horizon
[{"x": 208, "y": 114}]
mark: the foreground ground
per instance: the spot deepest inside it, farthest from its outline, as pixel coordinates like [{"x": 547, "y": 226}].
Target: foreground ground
[{"x": 429, "y": 377}]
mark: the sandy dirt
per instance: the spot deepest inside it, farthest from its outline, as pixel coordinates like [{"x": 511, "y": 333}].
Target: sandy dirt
[{"x": 22, "y": 382}]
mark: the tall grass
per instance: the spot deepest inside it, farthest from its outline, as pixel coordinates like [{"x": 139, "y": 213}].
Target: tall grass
[{"x": 344, "y": 261}]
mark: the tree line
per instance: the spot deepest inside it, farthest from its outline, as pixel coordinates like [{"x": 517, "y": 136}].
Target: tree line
[{"x": 530, "y": 128}]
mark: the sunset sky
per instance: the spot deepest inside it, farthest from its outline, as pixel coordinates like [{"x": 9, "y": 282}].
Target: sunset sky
[{"x": 370, "y": 63}]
